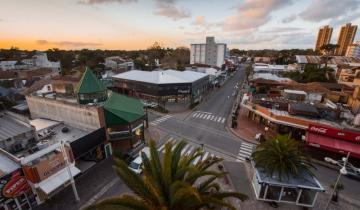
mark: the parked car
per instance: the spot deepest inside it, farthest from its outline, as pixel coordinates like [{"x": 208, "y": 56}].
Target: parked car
[{"x": 135, "y": 165}]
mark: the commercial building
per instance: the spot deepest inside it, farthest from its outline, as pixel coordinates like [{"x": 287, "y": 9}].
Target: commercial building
[
  {"x": 324, "y": 37},
  {"x": 162, "y": 86},
  {"x": 94, "y": 108},
  {"x": 210, "y": 53},
  {"x": 281, "y": 107},
  {"x": 346, "y": 37},
  {"x": 353, "y": 50}
]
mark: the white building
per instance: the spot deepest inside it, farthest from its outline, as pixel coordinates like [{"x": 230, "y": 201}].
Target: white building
[
  {"x": 39, "y": 60},
  {"x": 353, "y": 50},
  {"x": 210, "y": 53},
  {"x": 118, "y": 63},
  {"x": 274, "y": 69}
]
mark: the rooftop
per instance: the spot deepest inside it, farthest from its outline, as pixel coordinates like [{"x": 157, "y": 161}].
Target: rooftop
[
  {"x": 305, "y": 180},
  {"x": 122, "y": 109},
  {"x": 10, "y": 126},
  {"x": 7, "y": 165},
  {"x": 161, "y": 77},
  {"x": 89, "y": 83}
]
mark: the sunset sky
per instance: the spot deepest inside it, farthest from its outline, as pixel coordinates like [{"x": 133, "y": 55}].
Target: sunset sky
[{"x": 136, "y": 24}]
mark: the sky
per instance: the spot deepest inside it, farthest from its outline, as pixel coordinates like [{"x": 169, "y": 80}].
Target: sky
[{"x": 136, "y": 24}]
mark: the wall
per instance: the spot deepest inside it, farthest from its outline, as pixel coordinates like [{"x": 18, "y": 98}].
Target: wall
[{"x": 80, "y": 116}]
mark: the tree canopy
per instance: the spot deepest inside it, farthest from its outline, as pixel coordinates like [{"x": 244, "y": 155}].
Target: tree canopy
[{"x": 282, "y": 156}]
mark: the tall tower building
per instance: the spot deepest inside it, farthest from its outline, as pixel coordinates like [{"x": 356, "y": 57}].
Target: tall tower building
[
  {"x": 346, "y": 37},
  {"x": 324, "y": 37}
]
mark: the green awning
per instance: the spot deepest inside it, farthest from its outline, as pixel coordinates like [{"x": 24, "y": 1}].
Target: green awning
[
  {"x": 89, "y": 83},
  {"x": 120, "y": 109}
]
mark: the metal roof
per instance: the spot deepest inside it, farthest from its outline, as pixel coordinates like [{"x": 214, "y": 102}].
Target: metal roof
[
  {"x": 89, "y": 83},
  {"x": 10, "y": 126},
  {"x": 303, "y": 180},
  {"x": 120, "y": 109},
  {"x": 161, "y": 77},
  {"x": 7, "y": 165}
]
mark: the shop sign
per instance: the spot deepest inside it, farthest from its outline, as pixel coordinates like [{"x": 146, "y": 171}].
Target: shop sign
[
  {"x": 335, "y": 133},
  {"x": 184, "y": 91},
  {"x": 49, "y": 167},
  {"x": 12, "y": 186}
]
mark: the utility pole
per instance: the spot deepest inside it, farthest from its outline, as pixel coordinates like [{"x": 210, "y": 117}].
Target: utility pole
[{"x": 67, "y": 162}]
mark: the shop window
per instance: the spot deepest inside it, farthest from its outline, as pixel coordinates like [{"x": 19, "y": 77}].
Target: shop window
[
  {"x": 289, "y": 194},
  {"x": 307, "y": 197},
  {"x": 273, "y": 193}
]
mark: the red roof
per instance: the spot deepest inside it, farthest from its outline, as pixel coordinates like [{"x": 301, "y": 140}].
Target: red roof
[{"x": 333, "y": 144}]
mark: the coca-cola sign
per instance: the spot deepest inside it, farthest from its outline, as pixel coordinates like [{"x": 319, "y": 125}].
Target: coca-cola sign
[{"x": 335, "y": 133}]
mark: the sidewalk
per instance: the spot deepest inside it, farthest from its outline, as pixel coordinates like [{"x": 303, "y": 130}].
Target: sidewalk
[{"x": 246, "y": 129}]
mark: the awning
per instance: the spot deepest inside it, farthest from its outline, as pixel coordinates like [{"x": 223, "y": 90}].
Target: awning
[
  {"x": 55, "y": 181},
  {"x": 333, "y": 144}
]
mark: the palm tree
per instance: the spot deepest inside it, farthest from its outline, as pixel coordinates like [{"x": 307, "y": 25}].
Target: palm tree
[
  {"x": 329, "y": 50},
  {"x": 283, "y": 157},
  {"x": 173, "y": 182}
]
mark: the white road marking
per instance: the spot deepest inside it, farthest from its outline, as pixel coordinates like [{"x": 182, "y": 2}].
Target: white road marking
[
  {"x": 208, "y": 117},
  {"x": 205, "y": 116},
  {"x": 223, "y": 120},
  {"x": 219, "y": 119}
]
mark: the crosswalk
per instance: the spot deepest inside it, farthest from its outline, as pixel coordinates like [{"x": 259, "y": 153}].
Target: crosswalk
[
  {"x": 208, "y": 116},
  {"x": 161, "y": 119},
  {"x": 187, "y": 150},
  {"x": 245, "y": 151}
]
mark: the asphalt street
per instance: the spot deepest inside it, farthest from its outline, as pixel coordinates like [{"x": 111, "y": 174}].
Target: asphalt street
[{"x": 205, "y": 126}]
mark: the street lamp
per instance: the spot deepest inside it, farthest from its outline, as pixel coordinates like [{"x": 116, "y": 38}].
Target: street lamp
[
  {"x": 67, "y": 162},
  {"x": 342, "y": 171}
]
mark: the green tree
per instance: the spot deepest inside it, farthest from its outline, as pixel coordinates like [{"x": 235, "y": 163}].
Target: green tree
[
  {"x": 282, "y": 156},
  {"x": 170, "y": 183}
]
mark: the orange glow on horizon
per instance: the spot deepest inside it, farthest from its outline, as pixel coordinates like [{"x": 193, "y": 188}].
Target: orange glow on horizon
[{"x": 129, "y": 44}]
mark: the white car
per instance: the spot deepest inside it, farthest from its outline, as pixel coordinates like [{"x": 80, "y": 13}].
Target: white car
[{"x": 135, "y": 165}]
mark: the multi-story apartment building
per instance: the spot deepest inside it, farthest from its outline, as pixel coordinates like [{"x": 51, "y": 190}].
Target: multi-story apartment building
[
  {"x": 324, "y": 36},
  {"x": 346, "y": 37},
  {"x": 210, "y": 53},
  {"x": 353, "y": 50}
]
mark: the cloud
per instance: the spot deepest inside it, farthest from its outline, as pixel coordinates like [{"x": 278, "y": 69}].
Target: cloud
[
  {"x": 169, "y": 9},
  {"x": 289, "y": 19},
  {"x": 68, "y": 43},
  {"x": 202, "y": 22},
  {"x": 320, "y": 10},
  {"x": 345, "y": 19},
  {"x": 282, "y": 29},
  {"x": 253, "y": 13},
  {"x": 92, "y": 2}
]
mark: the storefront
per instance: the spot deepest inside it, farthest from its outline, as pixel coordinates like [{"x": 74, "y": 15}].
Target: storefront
[
  {"x": 334, "y": 140},
  {"x": 163, "y": 86},
  {"x": 15, "y": 192}
]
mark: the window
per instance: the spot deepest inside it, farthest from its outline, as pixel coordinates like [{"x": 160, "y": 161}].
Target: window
[{"x": 289, "y": 194}]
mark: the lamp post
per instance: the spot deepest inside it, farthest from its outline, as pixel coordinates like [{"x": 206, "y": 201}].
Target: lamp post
[
  {"x": 67, "y": 162},
  {"x": 341, "y": 172}
]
